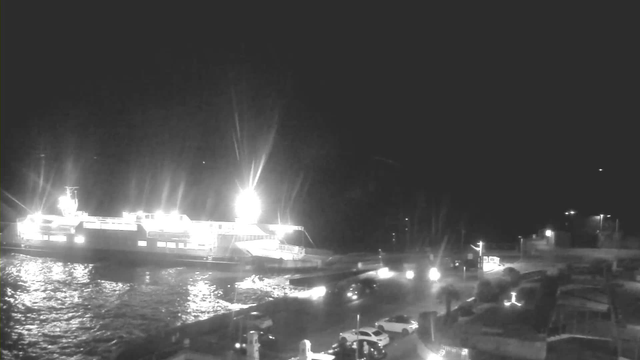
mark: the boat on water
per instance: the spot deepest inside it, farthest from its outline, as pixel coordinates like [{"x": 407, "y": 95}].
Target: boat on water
[{"x": 158, "y": 238}]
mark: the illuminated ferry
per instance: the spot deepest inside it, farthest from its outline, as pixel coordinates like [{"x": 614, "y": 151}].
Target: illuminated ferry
[{"x": 174, "y": 237}]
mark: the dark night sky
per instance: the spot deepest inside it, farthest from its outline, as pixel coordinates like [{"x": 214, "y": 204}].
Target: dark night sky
[{"x": 509, "y": 118}]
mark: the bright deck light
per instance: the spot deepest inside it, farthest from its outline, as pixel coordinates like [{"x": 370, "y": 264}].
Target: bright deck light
[
  {"x": 248, "y": 207},
  {"x": 67, "y": 205},
  {"x": 410, "y": 274}
]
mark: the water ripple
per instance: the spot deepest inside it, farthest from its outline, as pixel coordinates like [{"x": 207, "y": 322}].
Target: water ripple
[{"x": 57, "y": 310}]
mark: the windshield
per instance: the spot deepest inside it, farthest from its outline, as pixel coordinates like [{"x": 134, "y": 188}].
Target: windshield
[{"x": 377, "y": 333}]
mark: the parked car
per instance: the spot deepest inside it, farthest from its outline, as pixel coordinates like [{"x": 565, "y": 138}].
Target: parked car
[
  {"x": 399, "y": 323},
  {"x": 267, "y": 342},
  {"x": 255, "y": 321},
  {"x": 376, "y": 351},
  {"x": 366, "y": 333}
]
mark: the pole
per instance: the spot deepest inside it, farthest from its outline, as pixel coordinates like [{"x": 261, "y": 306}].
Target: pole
[
  {"x": 617, "y": 223},
  {"x": 358, "y": 336},
  {"x": 464, "y": 273},
  {"x": 462, "y": 240},
  {"x": 601, "y": 217},
  {"x": 614, "y": 322},
  {"x": 521, "y": 248},
  {"x": 433, "y": 335},
  {"x": 481, "y": 262}
]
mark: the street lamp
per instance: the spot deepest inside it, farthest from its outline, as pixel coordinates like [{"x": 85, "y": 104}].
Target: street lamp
[
  {"x": 480, "y": 260},
  {"x": 548, "y": 233},
  {"x": 569, "y": 214},
  {"x": 521, "y": 247},
  {"x": 248, "y": 206},
  {"x": 602, "y": 216}
]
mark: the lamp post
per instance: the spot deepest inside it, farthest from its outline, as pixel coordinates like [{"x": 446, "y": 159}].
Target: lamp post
[
  {"x": 549, "y": 234},
  {"x": 521, "y": 247},
  {"x": 602, "y": 220},
  {"x": 357, "y": 334},
  {"x": 480, "y": 260},
  {"x": 569, "y": 215},
  {"x": 407, "y": 231}
]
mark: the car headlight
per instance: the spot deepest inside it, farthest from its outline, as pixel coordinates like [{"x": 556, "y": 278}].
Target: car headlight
[
  {"x": 237, "y": 345},
  {"x": 319, "y": 291},
  {"x": 410, "y": 274},
  {"x": 434, "y": 274},
  {"x": 384, "y": 273}
]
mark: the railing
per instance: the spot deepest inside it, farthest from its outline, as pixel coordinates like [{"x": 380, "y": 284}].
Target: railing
[
  {"x": 291, "y": 249},
  {"x": 108, "y": 223}
]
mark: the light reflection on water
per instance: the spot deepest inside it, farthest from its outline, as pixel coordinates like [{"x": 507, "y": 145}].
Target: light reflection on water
[{"x": 82, "y": 311}]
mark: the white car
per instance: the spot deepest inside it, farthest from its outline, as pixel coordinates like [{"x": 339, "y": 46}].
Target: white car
[
  {"x": 399, "y": 323},
  {"x": 366, "y": 333}
]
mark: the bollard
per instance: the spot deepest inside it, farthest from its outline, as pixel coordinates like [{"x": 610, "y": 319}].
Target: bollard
[
  {"x": 253, "y": 346},
  {"x": 304, "y": 352}
]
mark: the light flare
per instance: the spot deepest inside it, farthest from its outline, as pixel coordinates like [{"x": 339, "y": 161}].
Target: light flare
[
  {"x": 434, "y": 274},
  {"x": 248, "y": 206},
  {"x": 384, "y": 273}
]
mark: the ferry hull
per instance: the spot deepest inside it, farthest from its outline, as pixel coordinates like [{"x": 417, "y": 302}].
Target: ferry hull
[{"x": 108, "y": 246}]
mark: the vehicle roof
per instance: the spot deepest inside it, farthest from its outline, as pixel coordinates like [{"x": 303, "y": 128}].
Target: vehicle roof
[
  {"x": 399, "y": 315},
  {"x": 368, "y": 328}
]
